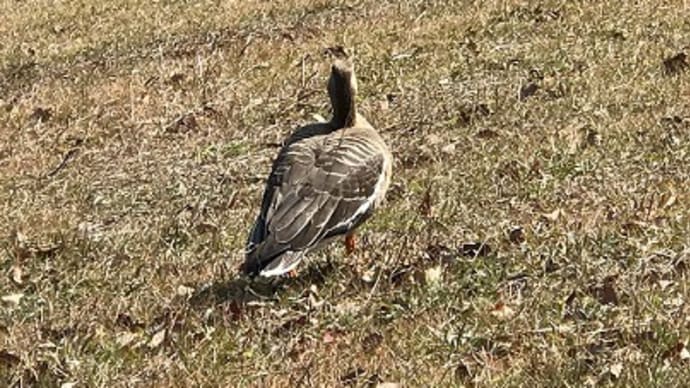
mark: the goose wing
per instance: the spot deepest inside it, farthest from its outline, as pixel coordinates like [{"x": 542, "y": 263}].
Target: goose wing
[{"x": 319, "y": 188}]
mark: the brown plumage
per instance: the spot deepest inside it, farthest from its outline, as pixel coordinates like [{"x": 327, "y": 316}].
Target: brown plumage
[{"x": 325, "y": 182}]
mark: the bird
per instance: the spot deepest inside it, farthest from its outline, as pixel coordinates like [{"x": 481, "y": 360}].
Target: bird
[{"x": 326, "y": 181}]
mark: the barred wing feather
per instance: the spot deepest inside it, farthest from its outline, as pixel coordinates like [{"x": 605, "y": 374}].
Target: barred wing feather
[{"x": 319, "y": 188}]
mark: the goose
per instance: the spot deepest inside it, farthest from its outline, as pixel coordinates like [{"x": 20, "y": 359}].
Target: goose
[{"x": 327, "y": 179}]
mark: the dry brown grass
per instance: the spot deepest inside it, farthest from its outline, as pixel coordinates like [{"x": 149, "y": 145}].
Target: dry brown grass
[{"x": 136, "y": 136}]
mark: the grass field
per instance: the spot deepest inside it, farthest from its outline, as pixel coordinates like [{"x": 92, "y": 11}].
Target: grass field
[{"x": 536, "y": 233}]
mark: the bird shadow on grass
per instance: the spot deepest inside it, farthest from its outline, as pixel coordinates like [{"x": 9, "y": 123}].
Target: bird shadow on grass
[{"x": 242, "y": 289}]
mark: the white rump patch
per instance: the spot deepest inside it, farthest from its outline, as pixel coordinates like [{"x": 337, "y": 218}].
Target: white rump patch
[{"x": 281, "y": 269}]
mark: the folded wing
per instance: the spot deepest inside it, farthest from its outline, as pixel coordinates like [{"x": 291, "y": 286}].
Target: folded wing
[{"x": 319, "y": 188}]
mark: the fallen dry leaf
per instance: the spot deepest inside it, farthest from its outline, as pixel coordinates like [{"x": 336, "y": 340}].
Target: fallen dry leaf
[
  {"x": 183, "y": 290},
  {"x": 183, "y": 123},
  {"x": 348, "y": 308},
  {"x": 516, "y": 235},
  {"x": 606, "y": 293},
  {"x": 448, "y": 149},
  {"x": 368, "y": 276},
  {"x": 616, "y": 370},
  {"x": 528, "y": 90},
  {"x": 384, "y": 105},
  {"x": 8, "y": 359},
  {"x": 463, "y": 372},
  {"x": 371, "y": 342},
  {"x": 679, "y": 350},
  {"x": 675, "y": 64},
  {"x": 41, "y": 114},
  {"x": 13, "y": 298},
  {"x": 426, "y": 207},
  {"x": 388, "y": 385},
  {"x": 672, "y": 198},
  {"x": 177, "y": 78},
  {"x": 126, "y": 321},
  {"x": 328, "y": 337},
  {"x": 433, "y": 276},
  {"x": 17, "y": 275},
  {"x": 475, "y": 249},
  {"x": 157, "y": 339},
  {"x": 487, "y": 134},
  {"x": 440, "y": 252},
  {"x": 352, "y": 375},
  {"x": 684, "y": 354},
  {"x": 664, "y": 284},
  {"x": 126, "y": 338},
  {"x": 553, "y": 216},
  {"x": 502, "y": 311},
  {"x": 433, "y": 139}
]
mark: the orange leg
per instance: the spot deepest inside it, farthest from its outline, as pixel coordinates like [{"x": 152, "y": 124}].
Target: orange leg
[
  {"x": 291, "y": 274},
  {"x": 350, "y": 243}
]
